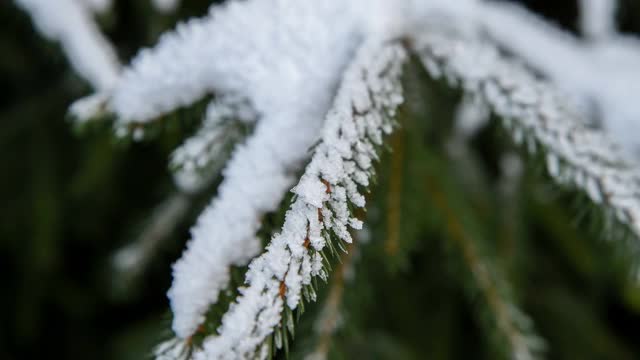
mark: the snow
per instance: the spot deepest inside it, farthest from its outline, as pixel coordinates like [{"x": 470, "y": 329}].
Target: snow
[
  {"x": 70, "y": 23},
  {"x": 598, "y": 18}
]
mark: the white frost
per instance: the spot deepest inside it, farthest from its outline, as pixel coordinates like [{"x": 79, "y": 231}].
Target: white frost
[{"x": 70, "y": 22}]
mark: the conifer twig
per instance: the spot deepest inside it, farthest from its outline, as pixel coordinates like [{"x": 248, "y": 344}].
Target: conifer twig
[
  {"x": 600, "y": 75},
  {"x": 320, "y": 216},
  {"x": 540, "y": 119}
]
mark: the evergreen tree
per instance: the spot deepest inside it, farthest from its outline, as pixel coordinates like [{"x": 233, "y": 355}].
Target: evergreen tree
[{"x": 368, "y": 179}]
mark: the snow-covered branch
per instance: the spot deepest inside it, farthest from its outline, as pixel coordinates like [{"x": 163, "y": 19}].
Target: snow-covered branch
[
  {"x": 600, "y": 74},
  {"x": 304, "y": 67},
  {"x": 540, "y": 118},
  {"x": 366, "y": 100}
]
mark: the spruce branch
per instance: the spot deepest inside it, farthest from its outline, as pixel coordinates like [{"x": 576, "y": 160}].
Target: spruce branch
[
  {"x": 540, "y": 119},
  {"x": 599, "y": 74},
  {"x": 319, "y": 218},
  {"x": 260, "y": 169}
]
